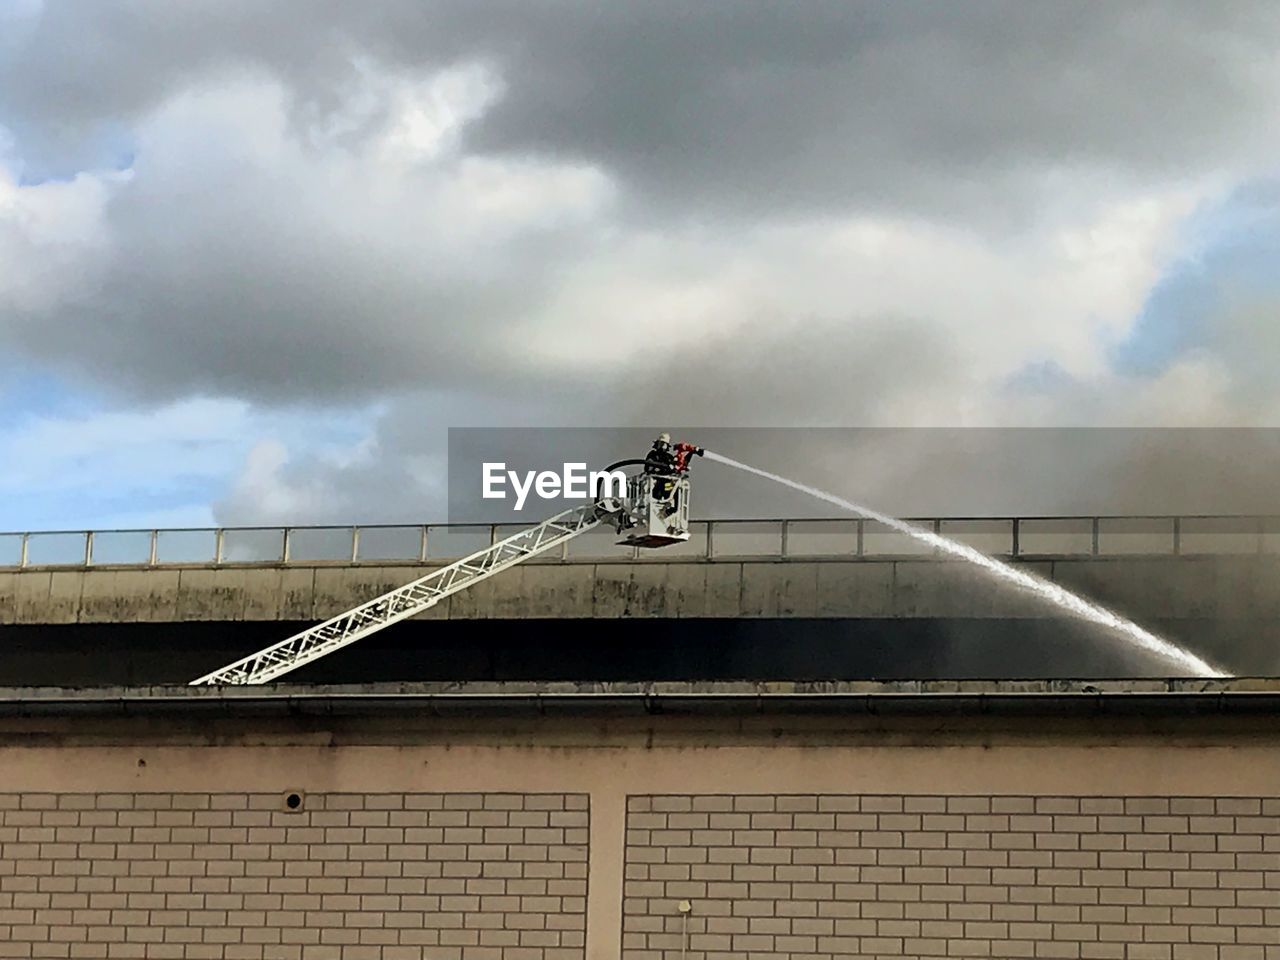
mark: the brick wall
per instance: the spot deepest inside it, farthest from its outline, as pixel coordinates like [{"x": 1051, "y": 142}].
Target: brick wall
[
  {"x": 504, "y": 875},
  {"x": 1164, "y": 878},
  {"x": 240, "y": 877}
]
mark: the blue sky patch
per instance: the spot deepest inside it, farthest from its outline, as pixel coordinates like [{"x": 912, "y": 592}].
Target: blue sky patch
[{"x": 1233, "y": 256}]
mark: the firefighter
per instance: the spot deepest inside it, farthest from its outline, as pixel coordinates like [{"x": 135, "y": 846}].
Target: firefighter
[{"x": 661, "y": 464}]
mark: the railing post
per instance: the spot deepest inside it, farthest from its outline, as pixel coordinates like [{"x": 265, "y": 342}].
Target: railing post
[
  {"x": 937, "y": 532},
  {"x": 355, "y": 544},
  {"x": 217, "y": 546},
  {"x": 1177, "y": 536},
  {"x": 284, "y": 546},
  {"x": 1096, "y": 532},
  {"x": 1015, "y": 547},
  {"x": 22, "y": 551},
  {"x": 154, "y": 549},
  {"x": 711, "y": 531},
  {"x": 786, "y": 531},
  {"x": 860, "y": 537},
  {"x": 422, "y": 545},
  {"x": 88, "y": 548}
]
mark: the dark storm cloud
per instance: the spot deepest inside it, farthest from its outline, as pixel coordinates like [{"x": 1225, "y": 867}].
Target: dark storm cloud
[
  {"x": 232, "y": 279},
  {"x": 749, "y": 105},
  {"x": 231, "y": 272},
  {"x": 761, "y": 105}
]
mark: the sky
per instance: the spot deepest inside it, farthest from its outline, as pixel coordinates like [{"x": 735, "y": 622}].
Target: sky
[{"x": 256, "y": 259}]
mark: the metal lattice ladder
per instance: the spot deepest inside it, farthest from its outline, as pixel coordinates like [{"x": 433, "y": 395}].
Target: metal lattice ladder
[{"x": 406, "y": 601}]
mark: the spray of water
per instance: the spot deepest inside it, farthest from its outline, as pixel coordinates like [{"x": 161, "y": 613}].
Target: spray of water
[{"x": 1050, "y": 592}]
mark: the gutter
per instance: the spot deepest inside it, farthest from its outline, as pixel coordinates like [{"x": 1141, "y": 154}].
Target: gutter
[{"x": 908, "y": 697}]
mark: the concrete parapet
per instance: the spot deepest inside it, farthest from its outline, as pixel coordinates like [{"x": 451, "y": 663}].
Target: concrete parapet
[{"x": 1193, "y": 588}]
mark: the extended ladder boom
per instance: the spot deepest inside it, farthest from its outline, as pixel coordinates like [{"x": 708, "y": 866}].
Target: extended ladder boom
[
  {"x": 406, "y": 601},
  {"x": 652, "y": 512}
]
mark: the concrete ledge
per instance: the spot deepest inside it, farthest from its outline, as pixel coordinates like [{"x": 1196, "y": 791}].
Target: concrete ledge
[
  {"x": 1204, "y": 588},
  {"x": 1251, "y": 694}
]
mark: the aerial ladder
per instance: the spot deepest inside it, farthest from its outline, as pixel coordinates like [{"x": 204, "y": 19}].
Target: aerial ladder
[{"x": 652, "y": 512}]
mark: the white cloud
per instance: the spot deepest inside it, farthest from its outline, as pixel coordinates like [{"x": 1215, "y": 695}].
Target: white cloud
[
  {"x": 721, "y": 217},
  {"x": 233, "y": 241},
  {"x": 1066, "y": 291},
  {"x": 425, "y": 118},
  {"x": 47, "y": 231},
  {"x": 260, "y": 483}
]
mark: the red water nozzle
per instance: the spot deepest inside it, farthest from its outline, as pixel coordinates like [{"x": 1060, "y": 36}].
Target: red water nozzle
[{"x": 685, "y": 452}]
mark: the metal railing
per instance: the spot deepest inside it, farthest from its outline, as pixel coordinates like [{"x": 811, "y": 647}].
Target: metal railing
[{"x": 842, "y": 538}]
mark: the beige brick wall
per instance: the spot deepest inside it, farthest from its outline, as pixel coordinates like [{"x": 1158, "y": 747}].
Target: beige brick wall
[
  {"x": 349, "y": 876},
  {"x": 796, "y": 876}
]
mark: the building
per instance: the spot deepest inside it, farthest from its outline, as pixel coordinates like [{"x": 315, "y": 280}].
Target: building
[{"x": 1117, "y": 819}]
